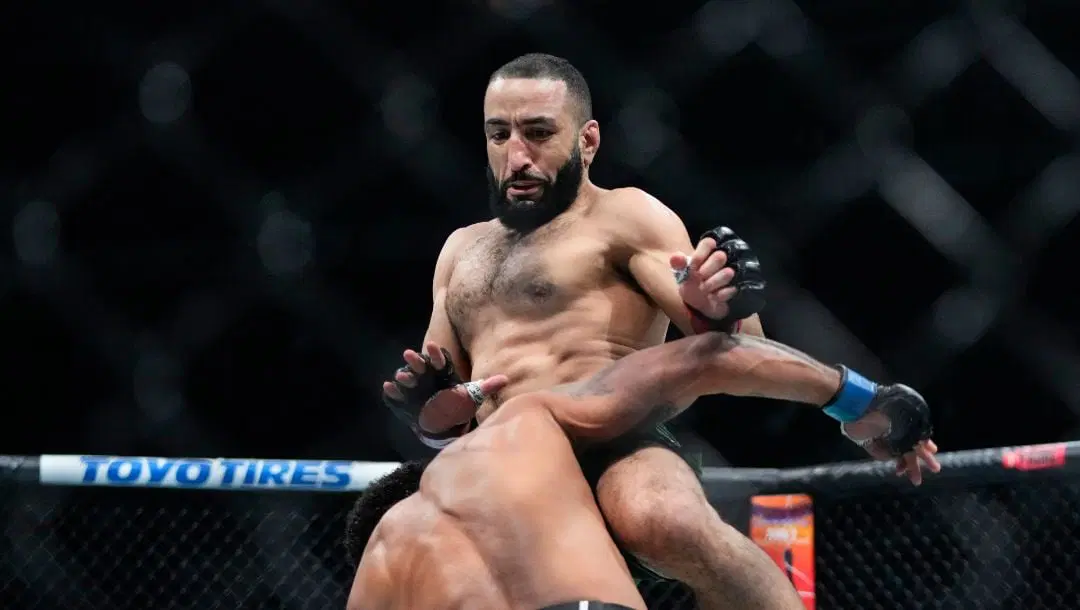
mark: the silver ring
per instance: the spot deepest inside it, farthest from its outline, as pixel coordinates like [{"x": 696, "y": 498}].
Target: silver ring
[
  {"x": 681, "y": 275},
  {"x": 473, "y": 388}
]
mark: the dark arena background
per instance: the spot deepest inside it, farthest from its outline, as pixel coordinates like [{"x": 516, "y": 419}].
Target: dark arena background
[{"x": 221, "y": 220}]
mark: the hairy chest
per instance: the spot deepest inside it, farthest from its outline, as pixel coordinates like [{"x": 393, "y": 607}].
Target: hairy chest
[{"x": 531, "y": 277}]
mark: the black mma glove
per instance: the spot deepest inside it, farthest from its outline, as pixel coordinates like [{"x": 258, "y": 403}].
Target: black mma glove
[
  {"x": 748, "y": 281},
  {"x": 428, "y": 384},
  {"x": 905, "y": 411}
]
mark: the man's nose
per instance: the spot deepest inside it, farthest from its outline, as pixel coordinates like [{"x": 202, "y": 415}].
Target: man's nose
[{"x": 519, "y": 158}]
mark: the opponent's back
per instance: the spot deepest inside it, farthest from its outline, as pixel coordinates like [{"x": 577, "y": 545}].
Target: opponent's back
[
  {"x": 504, "y": 519},
  {"x": 418, "y": 557}
]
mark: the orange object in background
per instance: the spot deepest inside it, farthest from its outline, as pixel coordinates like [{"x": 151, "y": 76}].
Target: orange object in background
[{"x": 783, "y": 526}]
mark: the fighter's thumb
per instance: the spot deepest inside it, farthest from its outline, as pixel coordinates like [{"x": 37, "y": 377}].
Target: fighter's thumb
[
  {"x": 679, "y": 261},
  {"x": 493, "y": 384}
]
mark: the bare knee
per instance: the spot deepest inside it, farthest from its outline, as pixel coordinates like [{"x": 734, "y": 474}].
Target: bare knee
[
  {"x": 655, "y": 506},
  {"x": 658, "y": 511}
]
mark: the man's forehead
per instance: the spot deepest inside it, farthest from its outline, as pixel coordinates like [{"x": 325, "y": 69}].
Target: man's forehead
[{"x": 524, "y": 97}]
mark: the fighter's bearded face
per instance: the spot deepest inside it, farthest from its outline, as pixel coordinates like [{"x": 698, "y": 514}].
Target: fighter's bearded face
[{"x": 535, "y": 165}]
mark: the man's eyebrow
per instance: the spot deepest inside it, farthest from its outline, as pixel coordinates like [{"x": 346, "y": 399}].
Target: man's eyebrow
[
  {"x": 530, "y": 121},
  {"x": 539, "y": 120}
]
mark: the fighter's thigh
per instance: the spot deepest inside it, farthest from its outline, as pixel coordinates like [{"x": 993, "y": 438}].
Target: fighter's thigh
[{"x": 653, "y": 494}]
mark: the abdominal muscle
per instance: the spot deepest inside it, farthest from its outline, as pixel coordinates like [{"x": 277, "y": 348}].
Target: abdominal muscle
[{"x": 567, "y": 347}]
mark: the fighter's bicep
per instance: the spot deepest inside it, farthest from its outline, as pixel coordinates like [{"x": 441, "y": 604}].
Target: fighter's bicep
[
  {"x": 599, "y": 419},
  {"x": 589, "y": 418},
  {"x": 441, "y": 332},
  {"x": 643, "y": 388},
  {"x": 652, "y": 233}
]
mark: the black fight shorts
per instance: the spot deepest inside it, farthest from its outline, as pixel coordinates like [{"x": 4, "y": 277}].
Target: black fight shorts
[
  {"x": 587, "y": 605},
  {"x": 596, "y": 459}
]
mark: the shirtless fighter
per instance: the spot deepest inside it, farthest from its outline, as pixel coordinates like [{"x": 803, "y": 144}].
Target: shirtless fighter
[
  {"x": 504, "y": 518},
  {"x": 567, "y": 278}
]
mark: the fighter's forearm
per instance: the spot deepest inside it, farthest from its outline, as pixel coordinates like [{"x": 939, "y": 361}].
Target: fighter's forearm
[
  {"x": 745, "y": 365},
  {"x": 656, "y": 384}
]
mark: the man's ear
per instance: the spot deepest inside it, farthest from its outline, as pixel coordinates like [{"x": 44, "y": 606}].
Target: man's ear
[{"x": 589, "y": 141}]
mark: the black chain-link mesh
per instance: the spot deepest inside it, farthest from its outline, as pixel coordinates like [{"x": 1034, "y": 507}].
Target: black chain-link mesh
[
  {"x": 1011, "y": 546},
  {"x": 148, "y": 549},
  {"x": 86, "y": 549},
  {"x": 1001, "y": 546},
  {"x": 193, "y": 199}
]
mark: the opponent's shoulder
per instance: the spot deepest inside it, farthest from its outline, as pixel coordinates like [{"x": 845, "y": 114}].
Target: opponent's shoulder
[
  {"x": 397, "y": 522},
  {"x": 373, "y": 583},
  {"x": 640, "y": 219}
]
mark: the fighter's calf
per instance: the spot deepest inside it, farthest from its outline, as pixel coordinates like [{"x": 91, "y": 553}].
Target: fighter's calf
[{"x": 658, "y": 511}]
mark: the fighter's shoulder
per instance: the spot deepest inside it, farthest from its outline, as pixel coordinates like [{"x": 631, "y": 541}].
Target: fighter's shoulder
[
  {"x": 399, "y": 520},
  {"x": 463, "y": 236},
  {"x": 639, "y": 216}
]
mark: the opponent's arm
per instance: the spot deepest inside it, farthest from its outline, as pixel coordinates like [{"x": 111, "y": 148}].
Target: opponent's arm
[
  {"x": 372, "y": 588},
  {"x": 658, "y": 383},
  {"x": 652, "y": 232},
  {"x": 655, "y": 384}
]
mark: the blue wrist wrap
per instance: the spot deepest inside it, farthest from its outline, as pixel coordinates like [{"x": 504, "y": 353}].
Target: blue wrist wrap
[{"x": 855, "y": 395}]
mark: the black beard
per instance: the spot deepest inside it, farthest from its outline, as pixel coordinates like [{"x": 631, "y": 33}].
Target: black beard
[{"x": 555, "y": 198}]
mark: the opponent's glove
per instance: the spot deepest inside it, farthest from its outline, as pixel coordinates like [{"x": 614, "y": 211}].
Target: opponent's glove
[
  {"x": 428, "y": 385},
  {"x": 905, "y": 410},
  {"x": 748, "y": 282}
]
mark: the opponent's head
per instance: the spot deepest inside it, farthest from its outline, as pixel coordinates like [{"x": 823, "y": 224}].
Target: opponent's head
[
  {"x": 541, "y": 139},
  {"x": 378, "y": 498}
]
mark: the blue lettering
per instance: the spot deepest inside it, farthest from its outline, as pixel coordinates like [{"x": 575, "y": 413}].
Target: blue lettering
[
  {"x": 199, "y": 472},
  {"x": 159, "y": 469},
  {"x": 306, "y": 473},
  {"x": 336, "y": 475},
  {"x": 116, "y": 473},
  {"x": 273, "y": 471},
  {"x": 249, "y": 472},
  {"x": 192, "y": 473},
  {"x": 92, "y": 464},
  {"x": 230, "y": 467}
]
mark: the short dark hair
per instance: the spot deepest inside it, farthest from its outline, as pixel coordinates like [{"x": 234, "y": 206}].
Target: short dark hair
[
  {"x": 544, "y": 66},
  {"x": 373, "y": 503}
]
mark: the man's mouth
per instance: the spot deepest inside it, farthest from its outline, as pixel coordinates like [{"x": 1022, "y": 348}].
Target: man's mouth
[{"x": 518, "y": 189}]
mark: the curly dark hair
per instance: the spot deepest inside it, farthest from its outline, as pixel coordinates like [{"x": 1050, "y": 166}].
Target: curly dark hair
[{"x": 373, "y": 503}]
